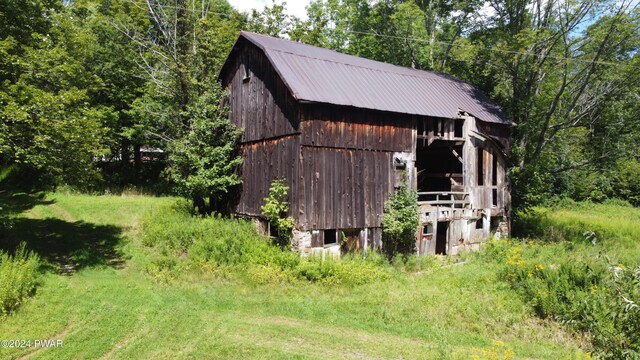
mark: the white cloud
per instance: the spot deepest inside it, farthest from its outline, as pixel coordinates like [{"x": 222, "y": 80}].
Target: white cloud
[{"x": 293, "y": 7}]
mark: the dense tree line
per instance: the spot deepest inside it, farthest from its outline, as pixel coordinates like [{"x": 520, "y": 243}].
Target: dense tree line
[{"x": 86, "y": 84}]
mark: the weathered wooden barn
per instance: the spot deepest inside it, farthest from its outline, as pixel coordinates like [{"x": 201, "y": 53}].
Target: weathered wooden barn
[{"x": 345, "y": 131}]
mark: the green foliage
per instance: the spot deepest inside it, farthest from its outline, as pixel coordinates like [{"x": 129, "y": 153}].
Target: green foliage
[
  {"x": 400, "y": 222},
  {"x": 272, "y": 21},
  {"x": 18, "y": 278},
  {"x": 407, "y": 314},
  {"x": 163, "y": 270},
  {"x": 47, "y": 119},
  {"x": 589, "y": 295},
  {"x": 626, "y": 181},
  {"x": 276, "y": 208},
  {"x": 203, "y": 162},
  {"x": 581, "y": 271},
  {"x": 233, "y": 244}
]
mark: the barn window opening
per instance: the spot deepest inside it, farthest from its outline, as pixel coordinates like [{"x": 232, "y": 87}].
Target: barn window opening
[
  {"x": 479, "y": 224},
  {"x": 494, "y": 197},
  {"x": 427, "y": 230},
  {"x": 480, "y": 163},
  {"x": 330, "y": 237},
  {"x": 494, "y": 170},
  {"x": 350, "y": 240},
  {"x": 457, "y": 130},
  {"x": 439, "y": 167}
]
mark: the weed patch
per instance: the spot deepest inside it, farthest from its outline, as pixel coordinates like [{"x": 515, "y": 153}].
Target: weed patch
[
  {"x": 587, "y": 293},
  {"x": 18, "y": 278},
  {"x": 215, "y": 242}
]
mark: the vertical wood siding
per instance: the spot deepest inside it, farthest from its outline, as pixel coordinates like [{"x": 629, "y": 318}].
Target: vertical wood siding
[
  {"x": 343, "y": 189},
  {"x": 260, "y": 103},
  {"x": 265, "y": 161},
  {"x": 345, "y": 127},
  {"x": 346, "y": 164}
]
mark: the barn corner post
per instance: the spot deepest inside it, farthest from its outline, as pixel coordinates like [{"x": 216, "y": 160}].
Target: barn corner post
[{"x": 345, "y": 131}]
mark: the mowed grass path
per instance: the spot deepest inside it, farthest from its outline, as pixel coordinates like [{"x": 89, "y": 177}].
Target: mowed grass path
[{"x": 97, "y": 298}]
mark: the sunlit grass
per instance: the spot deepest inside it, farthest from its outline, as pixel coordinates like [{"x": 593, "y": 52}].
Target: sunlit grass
[{"x": 104, "y": 310}]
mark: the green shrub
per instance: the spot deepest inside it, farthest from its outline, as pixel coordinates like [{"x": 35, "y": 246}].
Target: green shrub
[
  {"x": 276, "y": 208},
  {"x": 356, "y": 271},
  {"x": 400, "y": 222},
  {"x": 170, "y": 228},
  {"x": 612, "y": 314},
  {"x": 18, "y": 278}
]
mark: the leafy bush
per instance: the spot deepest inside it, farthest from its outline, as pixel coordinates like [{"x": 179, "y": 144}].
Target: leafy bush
[
  {"x": 612, "y": 314},
  {"x": 551, "y": 289},
  {"x": 400, "y": 222},
  {"x": 276, "y": 207},
  {"x": 203, "y": 160},
  {"x": 18, "y": 278},
  {"x": 234, "y": 244}
]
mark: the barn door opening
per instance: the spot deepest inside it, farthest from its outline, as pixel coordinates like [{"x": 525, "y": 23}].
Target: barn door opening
[{"x": 441, "y": 238}]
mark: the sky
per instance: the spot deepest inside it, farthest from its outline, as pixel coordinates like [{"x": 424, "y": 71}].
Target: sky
[{"x": 294, "y": 7}]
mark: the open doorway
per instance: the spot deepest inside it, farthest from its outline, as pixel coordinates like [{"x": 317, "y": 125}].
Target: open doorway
[
  {"x": 441, "y": 238},
  {"x": 439, "y": 167}
]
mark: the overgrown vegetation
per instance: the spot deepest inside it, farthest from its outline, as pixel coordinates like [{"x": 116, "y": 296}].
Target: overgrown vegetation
[
  {"x": 400, "y": 222},
  {"x": 227, "y": 246},
  {"x": 588, "y": 294},
  {"x": 583, "y": 271},
  {"x": 18, "y": 278},
  {"x": 276, "y": 210},
  {"x": 422, "y": 307}
]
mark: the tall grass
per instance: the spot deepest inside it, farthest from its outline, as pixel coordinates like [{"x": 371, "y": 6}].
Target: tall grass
[
  {"x": 611, "y": 227},
  {"x": 18, "y": 278},
  {"x": 582, "y": 268},
  {"x": 233, "y": 245}
]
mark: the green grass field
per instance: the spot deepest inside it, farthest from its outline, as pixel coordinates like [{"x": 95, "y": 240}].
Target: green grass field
[{"x": 98, "y": 297}]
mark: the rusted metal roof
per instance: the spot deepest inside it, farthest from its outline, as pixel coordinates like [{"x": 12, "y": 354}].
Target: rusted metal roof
[{"x": 321, "y": 75}]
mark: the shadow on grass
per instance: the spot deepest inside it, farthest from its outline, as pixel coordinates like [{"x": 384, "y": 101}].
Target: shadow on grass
[
  {"x": 64, "y": 246},
  {"x": 544, "y": 228},
  {"x": 67, "y": 247},
  {"x": 13, "y": 203}
]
